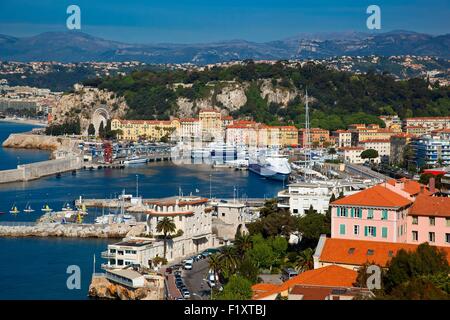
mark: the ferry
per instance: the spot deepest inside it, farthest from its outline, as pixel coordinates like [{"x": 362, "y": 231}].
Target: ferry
[{"x": 274, "y": 167}]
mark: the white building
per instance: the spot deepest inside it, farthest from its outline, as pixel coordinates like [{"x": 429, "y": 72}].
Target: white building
[
  {"x": 126, "y": 277},
  {"x": 382, "y": 146},
  {"x": 299, "y": 197},
  {"x": 343, "y": 138},
  {"x": 189, "y": 128},
  {"x": 193, "y": 222},
  {"x": 352, "y": 154}
]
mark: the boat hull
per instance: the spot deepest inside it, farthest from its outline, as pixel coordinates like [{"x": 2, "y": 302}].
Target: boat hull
[{"x": 267, "y": 173}]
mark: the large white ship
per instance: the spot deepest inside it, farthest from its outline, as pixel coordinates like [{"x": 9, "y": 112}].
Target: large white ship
[{"x": 275, "y": 167}]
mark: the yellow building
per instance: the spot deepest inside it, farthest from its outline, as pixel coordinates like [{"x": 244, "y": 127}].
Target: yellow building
[
  {"x": 153, "y": 130},
  {"x": 211, "y": 123}
]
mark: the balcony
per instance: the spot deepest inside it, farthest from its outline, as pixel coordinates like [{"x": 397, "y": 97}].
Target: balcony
[{"x": 108, "y": 255}]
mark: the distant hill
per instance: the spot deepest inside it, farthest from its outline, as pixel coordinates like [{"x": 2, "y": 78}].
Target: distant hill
[{"x": 79, "y": 47}]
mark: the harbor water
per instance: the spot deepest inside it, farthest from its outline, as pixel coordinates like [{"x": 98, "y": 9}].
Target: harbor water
[{"x": 34, "y": 268}]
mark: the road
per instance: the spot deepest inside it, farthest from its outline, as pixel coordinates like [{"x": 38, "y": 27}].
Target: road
[{"x": 194, "y": 280}]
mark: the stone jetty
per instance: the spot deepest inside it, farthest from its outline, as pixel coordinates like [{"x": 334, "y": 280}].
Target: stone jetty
[{"x": 66, "y": 230}]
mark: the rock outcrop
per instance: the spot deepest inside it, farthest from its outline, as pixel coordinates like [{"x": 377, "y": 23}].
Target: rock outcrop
[
  {"x": 83, "y": 102},
  {"x": 33, "y": 141},
  {"x": 102, "y": 288}
]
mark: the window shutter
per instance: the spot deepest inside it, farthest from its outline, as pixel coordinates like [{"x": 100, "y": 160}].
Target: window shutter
[
  {"x": 352, "y": 212},
  {"x": 374, "y": 231},
  {"x": 366, "y": 230},
  {"x": 384, "y": 232}
]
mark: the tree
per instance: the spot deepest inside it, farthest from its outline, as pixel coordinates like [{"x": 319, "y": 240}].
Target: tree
[
  {"x": 262, "y": 255},
  {"x": 311, "y": 226},
  {"x": 91, "y": 130},
  {"x": 237, "y": 288},
  {"x": 279, "y": 246},
  {"x": 332, "y": 151},
  {"x": 369, "y": 154},
  {"x": 243, "y": 243},
  {"x": 280, "y": 222},
  {"x": 305, "y": 260},
  {"x": 310, "y": 210},
  {"x": 101, "y": 130},
  {"x": 228, "y": 261},
  {"x": 166, "y": 226},
  {"x": 215, "y": 264},
  {"x": 426, "y": 261},
  {"x": 248, "y": 269}
]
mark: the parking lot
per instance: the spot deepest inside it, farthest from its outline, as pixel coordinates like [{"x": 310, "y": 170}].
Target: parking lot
[{"x": 188, "y": 280}]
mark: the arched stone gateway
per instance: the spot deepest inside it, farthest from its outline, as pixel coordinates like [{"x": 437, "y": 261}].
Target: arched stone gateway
[{"x": 100, "y": 115}]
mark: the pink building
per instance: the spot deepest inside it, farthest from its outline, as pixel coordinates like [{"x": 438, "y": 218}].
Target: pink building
[
  {"x": 429, "y": 220},
  {"x": 374, "y": 214}
]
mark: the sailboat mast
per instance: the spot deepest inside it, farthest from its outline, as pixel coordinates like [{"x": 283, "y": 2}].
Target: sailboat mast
[{"x": 307, "y": 135}]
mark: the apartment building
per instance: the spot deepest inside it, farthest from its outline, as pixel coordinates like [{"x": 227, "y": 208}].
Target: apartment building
[
  {"x": 318, "y": 137},
  {"x": 416, "y": 130},
  {"x": 352, "y": 154},
  {"x": 375, "y": 214},
  {"x": 190, "y": 128},
  {"x": 153, "y": 130},
  {"x": 362, "y": 133},
  {"x": 343, "y": 138},
  {"x": 382, "y": 146},
  {"x": 429, "y": 123},
  {"x": 211, "y": 123},
  {"x": 429, "y": 220},
  {"x": 431, "y": 150}
]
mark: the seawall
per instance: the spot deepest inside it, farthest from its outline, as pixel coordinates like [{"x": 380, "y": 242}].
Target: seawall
[{"x": 26, "y": 172}]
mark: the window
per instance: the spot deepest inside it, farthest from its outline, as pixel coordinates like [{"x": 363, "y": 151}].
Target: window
[
  {"x": 370, "y": 231},
  {"x": 384, "y": 232},
  {"x": 447, "y": 222},
  {"x": 432, "y": 221},
  {"x": 384, "y": 214},
  {"x": 370, "y": 252},
  {"x": 356, "y": 229},
  {"x": 370, "y": 214},
  {"x": 415, "y": 220},
  {"x": 342, "y": 229},
  {"x": 447, "y": 237},
  {"x": 296, "y": 210},
  {"x": 431, "y": 236}
]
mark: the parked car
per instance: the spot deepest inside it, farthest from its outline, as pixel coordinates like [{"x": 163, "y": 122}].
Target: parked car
[
  {"x": 186, "y": 294},
  {"x": 288, "y": 273},
  {"x": 169, "y": 270},
  {"x": 188, "y": 264}
]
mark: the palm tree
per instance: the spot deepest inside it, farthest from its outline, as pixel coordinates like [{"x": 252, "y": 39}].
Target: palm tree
[
  {"x": 215, "y": 264},
  {"x": 228, "y": 259},
  {"x": 166, "y": 226},
  {"x": 305, "y": 260},
  {"x": 242, "y": 244}
]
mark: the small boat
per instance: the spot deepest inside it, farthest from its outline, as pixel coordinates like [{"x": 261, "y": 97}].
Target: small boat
[
  {"x": 105, "y": 219},
  {"x": 135, "y": 160},
  {"x": 66, "y": 207},
  {"x": 83, "y": 211},
  {"x": 14, "y": 210},
  {"x": 46, "y": 208},
  {"x": 28, "y": 209}
]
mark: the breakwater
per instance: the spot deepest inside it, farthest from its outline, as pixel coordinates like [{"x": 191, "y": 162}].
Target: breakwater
[
  {"x": 12, "y": 229},
  {"x": 37, "y": 170}
]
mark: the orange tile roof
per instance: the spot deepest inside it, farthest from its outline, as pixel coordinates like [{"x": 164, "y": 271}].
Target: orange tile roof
[
  {"x": 327, "y": 276},
  {"x": 410, "y": 186},
  {"x": 426, "y": 205},
  {"x": 377, "y": 196},
  {"x": 338, "y": 251}
]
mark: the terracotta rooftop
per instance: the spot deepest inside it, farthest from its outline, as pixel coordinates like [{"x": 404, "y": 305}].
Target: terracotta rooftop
[
  {"x": 358, "y": 252},
  {"x": 333, "y": 276},
  {"x": 426, "y": 205},
  {"x": 376, "y": 196},
  {"x": 410, "y": 186}
]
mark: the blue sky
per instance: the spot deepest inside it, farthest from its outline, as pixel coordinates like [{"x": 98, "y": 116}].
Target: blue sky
[{"x": 190, "y": 21}]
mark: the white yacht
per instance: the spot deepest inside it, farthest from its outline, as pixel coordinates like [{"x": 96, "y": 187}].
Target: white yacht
[{"x": 275, "y": 167}]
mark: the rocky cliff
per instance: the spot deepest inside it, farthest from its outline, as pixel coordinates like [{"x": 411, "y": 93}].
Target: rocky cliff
[{"x": 83, "y": 103}]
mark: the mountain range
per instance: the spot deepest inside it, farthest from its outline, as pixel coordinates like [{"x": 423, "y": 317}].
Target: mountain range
[{"x": 75, "y": 46}]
